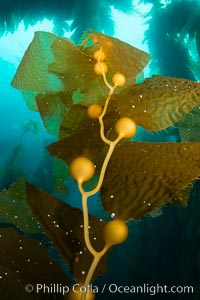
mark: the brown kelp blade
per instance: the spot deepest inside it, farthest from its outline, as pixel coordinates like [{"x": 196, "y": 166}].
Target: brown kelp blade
[
  {"x": 15, "y": 210},
  {"x": 76, "y": 70},
  {"x": 86, "y": 141},
  {"x": 64, "y": 225},
  {"x": 32, "y": 74},
  {"x": 53, "y": 75},
  {"x": 25, "y": 262},
  {"x": 60, "y": 174},
  {"x": 52, "y": 109},
  {"x": 52, "y": 65},
  {"x": 30, "y": 99},
  {"x": 189, "y": 127},
  {"x": 55, "y": 109},
  {"x": 159, "y": 101},
  {"x": 73, "y": 66},
  {"x": 120, "y": 56},
  {"x": 72, "y": 121},
  {"x": 11, "y": 288},
  {"x": 144, "y": 176}
]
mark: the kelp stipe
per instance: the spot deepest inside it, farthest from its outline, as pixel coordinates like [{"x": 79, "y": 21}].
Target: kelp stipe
[
  {"x": 82, "y": 169},
  {"x": 91, "y": 117}
]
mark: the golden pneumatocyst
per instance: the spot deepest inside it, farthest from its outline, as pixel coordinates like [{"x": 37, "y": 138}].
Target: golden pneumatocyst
[
  {"x": 77, "y": 295},
  {"x": 119, "y": 79},
  {"x": 94, "y": 111},
  {"x": 81, "y": 169},
  {"x": 100, "y": 67},
  {"x": 125, "y": 127},
  {"x": 99, "y": 54},
  {"x": 115, "y": 232}
]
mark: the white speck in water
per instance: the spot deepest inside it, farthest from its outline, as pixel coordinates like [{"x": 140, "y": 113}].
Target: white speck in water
[{"x": 112, "y": 215}]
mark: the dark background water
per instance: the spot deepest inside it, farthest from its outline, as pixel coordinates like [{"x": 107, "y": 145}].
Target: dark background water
[{"x": 164, "y": 250}]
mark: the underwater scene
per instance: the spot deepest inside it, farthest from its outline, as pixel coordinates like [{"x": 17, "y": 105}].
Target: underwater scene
[{"x": 100, "y": 149}]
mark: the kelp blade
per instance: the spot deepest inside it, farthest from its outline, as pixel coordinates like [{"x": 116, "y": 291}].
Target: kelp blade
[
  {"x": 189, "y": 127},
  {"x": 144, "y": 176},
  {"x": 159, "y": 101},
  {"x": 15, "y": 210},
  {"x": 32, "y": 74},
  {"x": 86, "y": 141},
  {"x": 64, "y": 225},
  {"x": 120, "y": 56},
  {"x": 24, "y": 261}
]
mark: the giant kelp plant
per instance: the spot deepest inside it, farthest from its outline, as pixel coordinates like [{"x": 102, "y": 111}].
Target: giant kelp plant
[
  {"x": 93, "y": 14},
  {"x": 173, "y": 41},
  {"x": 88, "y": 99},
  {"x": 173, "y": 38}
]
